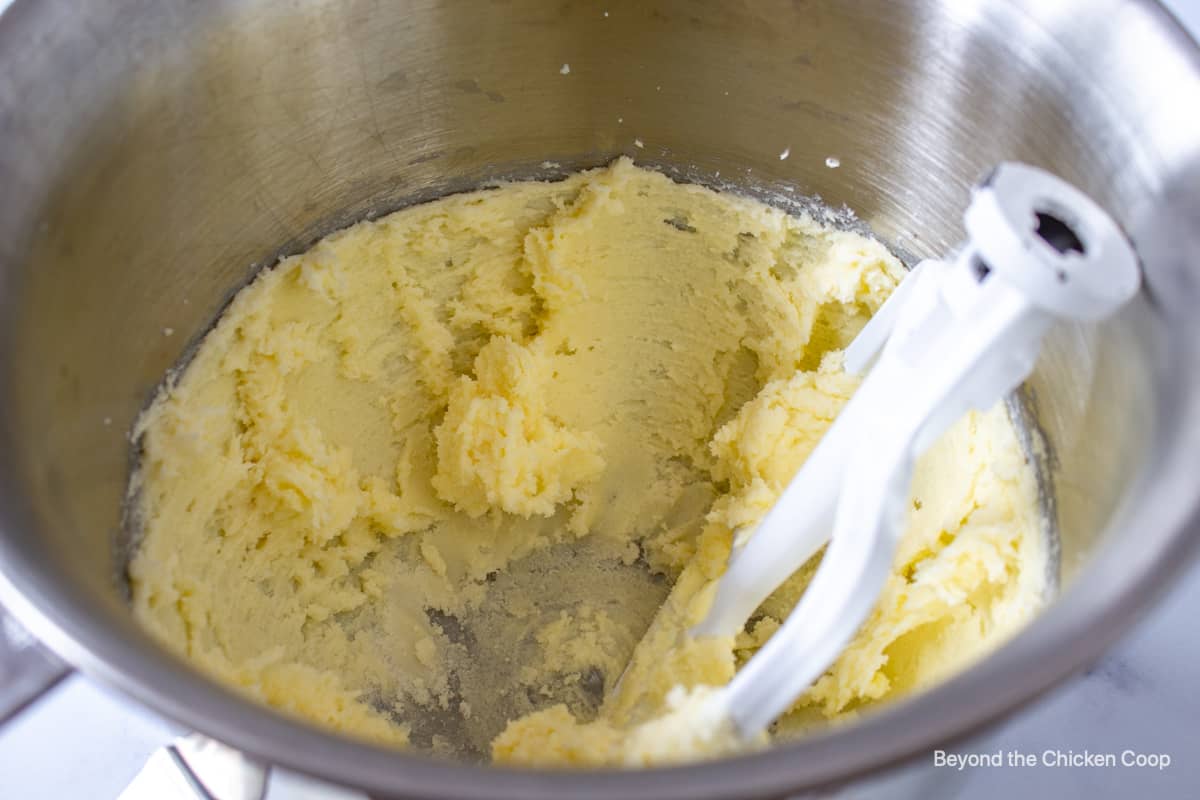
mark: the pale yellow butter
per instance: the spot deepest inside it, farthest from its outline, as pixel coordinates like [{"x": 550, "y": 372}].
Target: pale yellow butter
[{"x": 445, "y": 477}]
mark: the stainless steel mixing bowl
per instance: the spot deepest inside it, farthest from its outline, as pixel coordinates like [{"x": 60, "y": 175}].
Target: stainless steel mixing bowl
[{"x": 152, "y": 151}]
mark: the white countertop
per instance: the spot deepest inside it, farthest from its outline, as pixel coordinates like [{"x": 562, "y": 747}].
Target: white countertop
[{"x": 83, "y": 741}]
